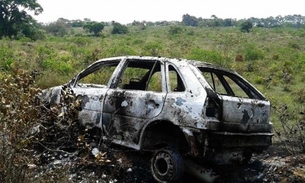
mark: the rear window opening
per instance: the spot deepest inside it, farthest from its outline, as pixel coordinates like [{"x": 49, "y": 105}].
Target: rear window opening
[{"x": 226, "y": 83}]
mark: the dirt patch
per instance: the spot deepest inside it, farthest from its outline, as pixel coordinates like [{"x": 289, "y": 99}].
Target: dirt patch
[{"x": 131, "y": 166}]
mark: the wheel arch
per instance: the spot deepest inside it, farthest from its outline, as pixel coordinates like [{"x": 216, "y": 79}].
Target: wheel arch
[{"x": 161, "y": 133}]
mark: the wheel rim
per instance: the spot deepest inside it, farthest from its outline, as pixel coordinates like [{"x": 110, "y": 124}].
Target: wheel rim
[
  {"x": 167, "y": 165},
  {"x": 164, "y": 166}
]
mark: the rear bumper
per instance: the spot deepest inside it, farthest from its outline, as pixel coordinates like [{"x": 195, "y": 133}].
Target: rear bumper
[
  {"x": 246, "y": 141},
  {"x": 238, "y": 127}
]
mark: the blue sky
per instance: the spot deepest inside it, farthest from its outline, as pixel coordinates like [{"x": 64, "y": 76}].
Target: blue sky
[{"x": 126, "y": 11}]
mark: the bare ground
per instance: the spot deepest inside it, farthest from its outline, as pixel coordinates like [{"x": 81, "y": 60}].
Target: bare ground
[{"x": 128, "y": 166}]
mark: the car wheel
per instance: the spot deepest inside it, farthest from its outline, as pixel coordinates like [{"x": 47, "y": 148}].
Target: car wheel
[
  {"x": 167, "y": 165},
  {"x": 247, "y": 157}
]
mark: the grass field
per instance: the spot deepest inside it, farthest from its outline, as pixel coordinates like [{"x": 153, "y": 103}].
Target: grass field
[{"x": 273, "y": 59}]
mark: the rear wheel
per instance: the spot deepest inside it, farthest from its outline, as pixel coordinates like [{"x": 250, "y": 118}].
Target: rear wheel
[
  {"x": 167, "y": 165},
  {"x": 247, "y": 157}
]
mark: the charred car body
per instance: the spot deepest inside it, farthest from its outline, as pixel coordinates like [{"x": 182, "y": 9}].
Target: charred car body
[{"x": 175, "y": 107}]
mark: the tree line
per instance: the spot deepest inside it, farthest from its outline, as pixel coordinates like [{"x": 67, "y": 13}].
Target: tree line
[
  {"x": 295, "y": 21},
  {"x": 16, "y": 22}
]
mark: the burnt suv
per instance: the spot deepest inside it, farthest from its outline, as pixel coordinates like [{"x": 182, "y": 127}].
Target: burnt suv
[{"x": 175, "y": 107}]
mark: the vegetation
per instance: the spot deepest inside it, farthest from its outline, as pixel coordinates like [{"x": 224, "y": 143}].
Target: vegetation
[
  {"x": 272, "y": 52},
  {"x": 13, "y": 20},
  {"x": 246, "y": 26},
  {"x": 119, "y": 28},
  {"x": 94, "y": 27}
]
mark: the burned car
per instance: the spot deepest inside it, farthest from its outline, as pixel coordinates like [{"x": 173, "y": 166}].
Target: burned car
[{"x": 176, "y": 108}]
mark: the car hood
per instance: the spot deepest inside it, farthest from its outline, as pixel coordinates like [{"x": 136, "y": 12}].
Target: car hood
[{"x": 51, "y": 95}]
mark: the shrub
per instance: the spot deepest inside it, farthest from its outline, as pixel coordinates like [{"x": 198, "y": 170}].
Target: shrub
[
  {"x": 152, "y": 49},
  {"x": 246, "y": 26},
  {"x": 253, "y": 53},
  {"x": 18, "y": 113},
  {"x": 207, "y": 56},
  {"x": 119, "y": 28},
  {"x": 175, "y": 30},
  {"x": 291, "y": 130},
  {"x": 294, "y": 45},
  {"x": 6, "y": 58},
  {"x": 81, "y": 41}
]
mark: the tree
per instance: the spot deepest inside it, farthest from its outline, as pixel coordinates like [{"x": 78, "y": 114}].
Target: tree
[
  {"x": 94, "y": 27},
  {"x": 58, "y": 28},
  {"x": 77, "y": 23},
  {"x": 189, "y": 20},
  {"x": 246, "y": 26},
  {"x": 14, "y": 16},
  {"x": 216, "y": 22},
  {"x": 119, "y": 28}
]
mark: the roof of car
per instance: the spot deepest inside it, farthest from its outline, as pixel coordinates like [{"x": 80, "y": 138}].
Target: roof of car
[{"x": 196, "y": 63}]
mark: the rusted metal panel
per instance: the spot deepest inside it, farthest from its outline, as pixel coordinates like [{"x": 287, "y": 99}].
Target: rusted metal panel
[{"x": 245, "y": 111}]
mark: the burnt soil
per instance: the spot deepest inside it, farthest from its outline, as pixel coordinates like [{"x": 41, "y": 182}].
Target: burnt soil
[{"x": 124, "y": 165}]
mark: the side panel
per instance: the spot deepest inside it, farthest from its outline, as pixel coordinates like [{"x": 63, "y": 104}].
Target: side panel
[
  {"x": 91, "y": 103},
  {"x": 243, "y": 114},
  {"x": 126, "y": 111}
]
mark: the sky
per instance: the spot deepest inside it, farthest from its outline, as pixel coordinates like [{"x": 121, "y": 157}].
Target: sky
[{"x": 126, "y": 11}]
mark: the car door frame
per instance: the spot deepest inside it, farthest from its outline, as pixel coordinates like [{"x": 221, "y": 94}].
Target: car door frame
[
  {"x": 125, "y": 129},
  {"x": 92, "y": 99}
]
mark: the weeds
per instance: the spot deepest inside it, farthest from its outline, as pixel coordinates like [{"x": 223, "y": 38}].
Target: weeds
[
  {"x": 291, "y": 132},
  {"x": 40, "y": 140},
  {"x": 18, "y": 113}
]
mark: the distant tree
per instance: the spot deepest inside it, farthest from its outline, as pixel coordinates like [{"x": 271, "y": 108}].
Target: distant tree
[
  {"x": 228, "y": 22},
  {"x": 14, "y": 16},
  {"x": 246, "y": 26},
  {"x": 119, "y": 28},
  {"x": 94, "y": 27},
  {"x": 189, "y": 20},
  {"x": 32, "y": 32},
  {"x": 175, "y": 30},
  {"x": 58, "y": 28},
  {"x": 259, "y": 25},
  {"x": 77, "y": 23},
  {"x": 216, "y": 21},
  {"x": 87, "y": 20},
  {"x": 142, "y": 24},
  {"x": 136, "y": 23}
]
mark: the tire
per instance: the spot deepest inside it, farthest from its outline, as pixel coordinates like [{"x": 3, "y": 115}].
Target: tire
[
  {"x": 247, "y": 157},
  {"x": 167, "y": 165}
]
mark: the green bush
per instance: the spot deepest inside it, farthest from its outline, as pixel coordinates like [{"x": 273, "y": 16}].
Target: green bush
[
  {"x": 294, "y": 45},
  {"x": 81, "y": 41},
  {"x": 119, "y": 28},
  {"x": 253, "y": 53},
  {"x": 207, "y": 56},
  {"x": 175, "y": 30},
  {"x": 152, "y": 48},
  {"x": 18, "y": 114}
]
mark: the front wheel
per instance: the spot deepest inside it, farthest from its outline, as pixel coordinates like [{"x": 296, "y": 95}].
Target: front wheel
[{"x": 167, "y": 165}]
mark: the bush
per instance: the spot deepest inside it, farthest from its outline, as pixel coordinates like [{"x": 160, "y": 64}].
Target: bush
[
  {"x": 207, "y": 56},
  {"x": 294, "y": 45},
  {"x": 175, "y": 30},
  {"x": 6, "y": 58},
  {"x": 152, "y": 49},
  {"x": 291, "y": 130},
  {"x": 252, "y": 53},
  {"x": 18, "y": 113},
  {"x": 119, "y": 28}
]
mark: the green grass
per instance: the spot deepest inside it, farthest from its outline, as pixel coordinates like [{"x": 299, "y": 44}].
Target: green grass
[{"x": 274, "y": 58}]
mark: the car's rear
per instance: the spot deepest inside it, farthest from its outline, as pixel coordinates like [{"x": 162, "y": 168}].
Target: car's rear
[{"x": 242, "y": 111}]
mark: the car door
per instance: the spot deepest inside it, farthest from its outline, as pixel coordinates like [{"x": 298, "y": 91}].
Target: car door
[
  {"x": 90, "y": 87},
  {"x": 241, "y": 103},
  {"x": 137, "y": 98}
]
